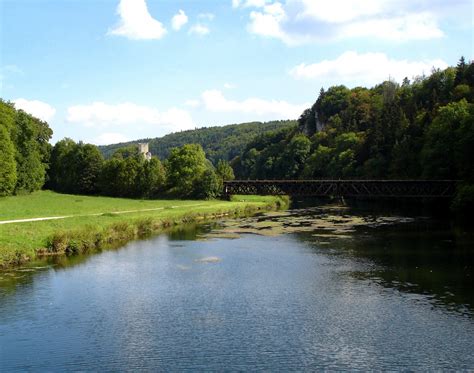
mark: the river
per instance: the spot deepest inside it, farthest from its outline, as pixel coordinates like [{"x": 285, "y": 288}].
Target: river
[{"x": 330, "y": 288}]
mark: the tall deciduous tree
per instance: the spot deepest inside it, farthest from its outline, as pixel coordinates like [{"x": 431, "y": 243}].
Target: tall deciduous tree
[
  {"x": 184, "y": 166},
  {"x": 30, "y": 168},
  {"x": 7, "y": 163},
  {"x": 151, "y": 178}
]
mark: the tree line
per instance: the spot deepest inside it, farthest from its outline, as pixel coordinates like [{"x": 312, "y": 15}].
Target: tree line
[
  {"x": 24, "y": 151},
  {"x": 420, "y": 129},
  {"x": 28, "y": 162},
  {"x": 80, "y": 168}
]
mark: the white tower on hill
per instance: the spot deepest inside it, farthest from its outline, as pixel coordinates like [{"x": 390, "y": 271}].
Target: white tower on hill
[{"x": 143, "y": 149}]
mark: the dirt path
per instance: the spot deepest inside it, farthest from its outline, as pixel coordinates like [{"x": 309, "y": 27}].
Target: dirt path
[{"x": 96, "y": 214}]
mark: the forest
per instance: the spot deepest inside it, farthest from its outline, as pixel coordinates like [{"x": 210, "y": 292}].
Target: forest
[
  {"x": 224, "y": 142},
  {"x": 419, "y": 129}
]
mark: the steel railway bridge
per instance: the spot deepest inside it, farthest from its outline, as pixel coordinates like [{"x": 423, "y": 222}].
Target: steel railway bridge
[{"x": 344, "y": 188}]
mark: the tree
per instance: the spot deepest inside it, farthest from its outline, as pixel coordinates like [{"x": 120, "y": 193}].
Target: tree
[
  {"x": 224, "y": 170},
  {"x": 126, "y": 179},
  {"x": 318, "y": 162},
  {"x": 460, "y": 71},
  {"x": 151, "y": 177},
  {"x": 293, "y": 160},
  {"x": 75, "y": 168},
  {"x": 108, "y": 182},
  {"x": 7, "y": 163},
  {"x": 184, "y": 166},
  {"x": 333, "y": 101},
  {"x": 88, "y": 163},
  {"x": 443, "y": 142},
  {"x": 126, "y": 152},
  {"x": 208, "y": 186},
  {"x": 120, "y": 177},
  {"x": 249, "y": 162},
  {"x": 31, "y": 170},
  {"x": 61, "y": 168}
]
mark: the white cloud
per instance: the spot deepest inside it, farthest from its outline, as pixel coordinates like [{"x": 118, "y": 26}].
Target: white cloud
[
  {"x": 339, "y": 11},
  {"x": 192, "y": 103},
  {"x": 215, "y": 101},
  {"x": 136, "y": 21},
  {"x": 207, "y": 16},
  {"x": 38, "y": 109},
  {"x": 302, "y": 21},
  {"x": 179, "y": 20},
  {"x": 422, "y": 26},
  {"x": 229, "y": 86},
  {"x": 364, "y": 69},
  {"x": 109, "y": 138},
  {"x": 102, "y": 115},
  {"x": 199, "y": 29},
  {"x": 249, "y": 3},
  {"x": 268, "y": 22}
]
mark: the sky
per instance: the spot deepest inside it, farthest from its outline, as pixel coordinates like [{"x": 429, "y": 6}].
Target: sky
[{"x": 108, "y": 71}]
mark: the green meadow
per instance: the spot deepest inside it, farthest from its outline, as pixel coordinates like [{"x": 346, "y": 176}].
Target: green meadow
[{"x": 93, "y": 223}]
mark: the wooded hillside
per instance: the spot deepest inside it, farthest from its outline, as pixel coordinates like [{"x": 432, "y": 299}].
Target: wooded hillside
[
  {"x": 218, "y": 142},
  {"x": 420, "y": 129}
]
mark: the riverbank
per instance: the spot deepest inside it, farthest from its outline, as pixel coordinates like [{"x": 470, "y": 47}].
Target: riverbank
[{"x": 78, "y": 224}]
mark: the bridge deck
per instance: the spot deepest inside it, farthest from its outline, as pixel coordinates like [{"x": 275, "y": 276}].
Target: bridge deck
[{"x": 345, "y": 188}]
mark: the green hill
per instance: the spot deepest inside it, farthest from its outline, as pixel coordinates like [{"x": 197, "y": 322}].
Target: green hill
[{"x": 218, "y": 142}]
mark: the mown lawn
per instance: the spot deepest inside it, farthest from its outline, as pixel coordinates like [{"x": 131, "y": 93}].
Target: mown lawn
[
  {"x": 24, "y": 239},
  {"x": 47, "y": 203}
]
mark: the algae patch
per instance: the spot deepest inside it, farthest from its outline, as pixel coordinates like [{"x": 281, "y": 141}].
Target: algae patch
[{"x": 327, "y": 223}]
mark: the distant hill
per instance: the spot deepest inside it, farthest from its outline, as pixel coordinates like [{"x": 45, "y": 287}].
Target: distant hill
[{"x": 218, "y": 142}]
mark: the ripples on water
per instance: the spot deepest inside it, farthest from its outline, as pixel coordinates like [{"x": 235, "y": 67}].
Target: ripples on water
[{"x": 390, "y": 296}]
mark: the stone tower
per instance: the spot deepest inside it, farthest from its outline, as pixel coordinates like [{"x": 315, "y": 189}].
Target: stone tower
[{"x": 143, "y": 149}]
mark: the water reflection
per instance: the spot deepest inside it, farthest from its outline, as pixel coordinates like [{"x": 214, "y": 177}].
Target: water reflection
[
  {"x": 413, "y": 254},
  {"x": 332, "y": 288}
]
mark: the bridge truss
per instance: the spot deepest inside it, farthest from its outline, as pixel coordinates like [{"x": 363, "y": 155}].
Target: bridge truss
[{"x": 344, "y": 188}]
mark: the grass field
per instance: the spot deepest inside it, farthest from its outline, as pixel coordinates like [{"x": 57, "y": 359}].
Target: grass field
[{"x": 95, "y": 220}]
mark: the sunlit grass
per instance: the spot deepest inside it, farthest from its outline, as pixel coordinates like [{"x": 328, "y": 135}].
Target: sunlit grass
[{"x": 19, "y": 241}]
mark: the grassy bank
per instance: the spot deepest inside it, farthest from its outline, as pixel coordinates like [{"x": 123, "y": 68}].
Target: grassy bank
[{"x": 93, "y": 223}]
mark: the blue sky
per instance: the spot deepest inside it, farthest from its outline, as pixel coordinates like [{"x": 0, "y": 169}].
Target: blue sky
[{"x": 104, "y": 71}]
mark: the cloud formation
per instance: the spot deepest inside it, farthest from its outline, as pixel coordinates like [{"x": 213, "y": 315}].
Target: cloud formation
[
  {"x": 364, "y": 69},
  {"x": 136, "y": 22},
  {"x": 304, "y": 21},
  {"x": 38, "y": 109},
  {"x": 179, "y": 20},
  {"x": 215, "y": 101},
  {"x": 249, "y": 3},
  {"x": 102, "y": 115},
  {"x": 199, "y": 29}
]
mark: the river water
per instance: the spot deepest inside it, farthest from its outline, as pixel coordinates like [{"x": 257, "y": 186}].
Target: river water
[{"x": 299, "y": 290}]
